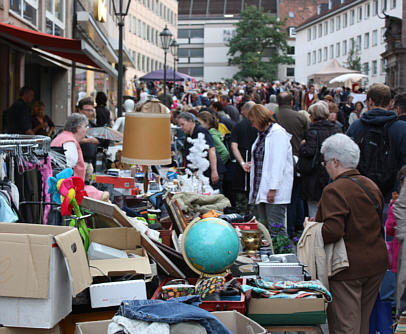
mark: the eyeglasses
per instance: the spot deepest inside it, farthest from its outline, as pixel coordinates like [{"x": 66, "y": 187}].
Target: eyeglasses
[
  {"x": 88, "y": 110},
  {"x": 324, "y": 163}
]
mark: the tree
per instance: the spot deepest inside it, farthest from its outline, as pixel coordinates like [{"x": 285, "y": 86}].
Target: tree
[
  {"x": 259, "y": 45},
  {"x": 353, "y": 60}
]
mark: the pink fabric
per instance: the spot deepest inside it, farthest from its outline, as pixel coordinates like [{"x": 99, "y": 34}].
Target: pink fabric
[
  {"x": 67, "y": 136},
  {"x": 394, "y": 248},
  {"x": 92, "y": 192}
]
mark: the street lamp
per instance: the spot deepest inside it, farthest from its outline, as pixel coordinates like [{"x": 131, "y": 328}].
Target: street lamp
[
  {"x": 120, "y": 8},
  {"x": 174, "y": 50},
  {"x": 166, "y": 37}
]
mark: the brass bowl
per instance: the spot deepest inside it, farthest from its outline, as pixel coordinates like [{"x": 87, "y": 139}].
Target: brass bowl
[{"x": 251, "y": 241}]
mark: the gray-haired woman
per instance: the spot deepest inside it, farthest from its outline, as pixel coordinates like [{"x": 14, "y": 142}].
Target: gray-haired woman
[
  {"x": 351, "y": 208},
  {"x": 314, "y": 177}
]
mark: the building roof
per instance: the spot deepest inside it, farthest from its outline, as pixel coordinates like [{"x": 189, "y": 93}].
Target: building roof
[
  {"x": 219, "y": 8},
  {"x": 336, "y": 6}
]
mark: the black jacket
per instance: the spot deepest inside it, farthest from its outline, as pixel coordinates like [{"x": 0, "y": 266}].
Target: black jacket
[{"x": 313, "y": 183}]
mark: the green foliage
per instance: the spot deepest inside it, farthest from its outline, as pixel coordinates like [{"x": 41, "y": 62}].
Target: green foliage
[
  {"x": 256, "y": 32},
  {"x": 353, "y": 60}
]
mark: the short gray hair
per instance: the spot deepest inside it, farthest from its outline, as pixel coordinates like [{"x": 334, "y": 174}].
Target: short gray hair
[
  {"x": 247, "y": 106},
  {"x": 75, "y": 120},
  {"x": 187, "y": 116},
  {"x": 342, "y": 148},
  {"x": 319, "y": 111}
]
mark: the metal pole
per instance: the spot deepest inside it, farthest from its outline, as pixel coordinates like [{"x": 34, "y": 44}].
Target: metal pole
[
  {"x": 165, "y": 77},
  {"x": 120, "y": 68},
  {"x": 174, "y": 74}
]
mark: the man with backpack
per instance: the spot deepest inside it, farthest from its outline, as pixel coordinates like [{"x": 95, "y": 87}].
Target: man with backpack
[{"x": 381, "y": 139}]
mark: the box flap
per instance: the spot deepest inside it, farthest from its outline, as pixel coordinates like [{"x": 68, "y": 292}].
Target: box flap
[
  {"x": 114, "y": 267},
  {"x": 117, "y": 237},
  {"x": 24, "y": 263},
  {"x": 285, "y": 306},
  {"x": 16, "y": 330},
  {"x": 72, "y": 248},
  {"x": 92, "y": 327},
  {"x": 39, "y": 229}
]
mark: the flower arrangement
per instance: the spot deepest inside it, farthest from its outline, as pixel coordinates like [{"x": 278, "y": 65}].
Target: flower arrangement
[
  {"x": 280, "y": 241},
  {"x": 68, "y": 190}
]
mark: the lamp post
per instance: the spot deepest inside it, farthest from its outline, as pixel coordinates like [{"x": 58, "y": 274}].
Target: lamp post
[
  {"x": 174, "y": 51},
  {"x": 166, "y": 37},
  {"x": 120, "y": 8}
]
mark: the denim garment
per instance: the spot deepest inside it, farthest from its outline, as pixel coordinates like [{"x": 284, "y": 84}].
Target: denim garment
[{"x": 172, "y": 311}]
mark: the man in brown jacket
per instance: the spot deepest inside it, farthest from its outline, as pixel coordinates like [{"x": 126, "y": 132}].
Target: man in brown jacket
[{"x": 351, "y": 208}]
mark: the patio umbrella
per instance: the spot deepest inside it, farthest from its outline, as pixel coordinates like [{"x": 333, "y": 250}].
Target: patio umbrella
[
  {"x": 159, "y": 75},
  {"x": 348, "y": 77},
  {"x": 105, "y": 133}
]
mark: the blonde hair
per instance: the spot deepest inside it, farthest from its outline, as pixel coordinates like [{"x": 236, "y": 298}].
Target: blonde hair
[
  {"x": 319, "y": 111},
  {"x": 261, "y": 115}
]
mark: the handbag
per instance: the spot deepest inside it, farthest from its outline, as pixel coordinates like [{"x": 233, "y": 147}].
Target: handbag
[{"x": 177, "y": 288}]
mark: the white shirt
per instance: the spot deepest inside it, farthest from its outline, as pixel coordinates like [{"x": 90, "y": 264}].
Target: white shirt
[{"x": 71, "y": 154}]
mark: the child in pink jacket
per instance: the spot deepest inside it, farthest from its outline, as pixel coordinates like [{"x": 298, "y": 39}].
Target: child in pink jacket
[{"x": 390, "y": 224}]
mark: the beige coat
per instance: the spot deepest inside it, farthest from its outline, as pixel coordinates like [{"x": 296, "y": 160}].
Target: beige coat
[{"x": 322, "y": 261}]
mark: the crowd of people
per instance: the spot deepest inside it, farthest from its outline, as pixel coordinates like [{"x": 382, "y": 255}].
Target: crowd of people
[{"x": 281, "y": 151}]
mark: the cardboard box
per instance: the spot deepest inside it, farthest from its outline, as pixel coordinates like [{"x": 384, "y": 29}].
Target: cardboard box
[
  {"x": 118, "y": 182},
  {"x": 233, "y": 320},
  {"x": 279, "y": 311},
  {"x": 18, "y": 330},
  {"x": 124, "y": 238},
  {"x": 113, "y": 293},
  {"x": 41, "y": 268}
]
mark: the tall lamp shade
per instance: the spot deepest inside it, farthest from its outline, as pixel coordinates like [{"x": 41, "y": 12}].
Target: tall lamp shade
[{"x": 147, "y": 139}]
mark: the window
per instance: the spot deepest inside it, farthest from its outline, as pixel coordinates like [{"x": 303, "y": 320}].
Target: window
[
  {"x": 291, "y": 14},
  {"x": 143, "y": 63},
  {"x": 156, "y": 37},
  {"x": 148, "y": 33},
  {"x": 134, "y": 25},
  {"x": 375, "y": 8},
  {"x": 359, "y": 12},
  {"x": 190, "y": 33},
  {"x": 291, "y": 50},
  {"x": 352, "y": 17},
  {"x": 366, "y": 40},
  {"x": 365, "y": 68},
  {"x": 192, "y": 53},
  {"x": 139, "y": 28},
  {"x": 152, "y": 35},
  {"x": 314, "y": 57},
  {"x": 319, "y": 56},
  {"x": 193, "y": 71},
  {"x": 160, "y": 9},
  {"x": 309, "y": 34},
  {"x": 384, "y": 5},
  {"x": 383, "y": 35},
  {"x": 352, "y": 43},
  {"x": 392, "y": 4},
  {"x": 331, "y": 51},
  {"x": 314, "y": 32},
  {"x": 338, "y": 23},
  {"x": 144, "y": 30},
  {"x": 55, "y": 17},
  {"x": 309, "y": 58},
  {"x": 157, "y": 7},
  {"x": 27, "y": 9},
  {"x": 367, "y": 10},
  {"x": 338, "y": 49},
  {"x": 320, "y": 30},
  {"x": 325, "y": 53},
  {"x": 332, "y": 25},
  {"x": 325, "y": 28},
  {"x": 359, "y": 43},
  {"x": 290, "y": 71},
  {"x": 383, "y": 65},
  {"x": 345, "y": 20},
  {"x": 129, "y": 23},
  {"x": 138, "y": 62},
  {"x": 374, "y": 37},
  {"x": 374, "y": 67},
  {"x": 147, "y": 64},
  {"x": 344, "y": 48}
]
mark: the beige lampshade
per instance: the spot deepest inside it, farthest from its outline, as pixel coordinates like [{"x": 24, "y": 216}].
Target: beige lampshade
[{"x": 147, "y": 139}]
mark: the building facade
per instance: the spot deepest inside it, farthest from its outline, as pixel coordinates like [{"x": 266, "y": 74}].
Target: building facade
[
  {"x": 146, "y": 19},
  {"x": 347, "y": 29}
]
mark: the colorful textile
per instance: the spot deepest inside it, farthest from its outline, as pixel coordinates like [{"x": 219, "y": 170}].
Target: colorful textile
[
  {"x": 209, "y": 286},
  {"x": 401, "y": 327},
  {"x": 289, "y": 289},
  {"x": 258, "y": 157}
]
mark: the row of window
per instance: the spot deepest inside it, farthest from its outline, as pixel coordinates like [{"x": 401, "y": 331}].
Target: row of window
[
  {"x": 143, "y": 30},
  {"x": 366, "y": 69},
  {"x": 342, "y": 49},
  {"x": 146, "y": 64},
  {"x": 160, "y": 9},
  {"x": 358, "y": 14},
  {"x": 55, "y": 14}
]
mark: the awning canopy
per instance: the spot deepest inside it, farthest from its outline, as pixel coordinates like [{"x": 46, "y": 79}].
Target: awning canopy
[
  {"x": 159, "y": 75},
  {"x": 73, "y": 49},
  {"x": 330, "y": 71}
]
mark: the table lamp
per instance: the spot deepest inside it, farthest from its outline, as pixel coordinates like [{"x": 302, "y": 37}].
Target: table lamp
[{"x": 147, "y": 140}]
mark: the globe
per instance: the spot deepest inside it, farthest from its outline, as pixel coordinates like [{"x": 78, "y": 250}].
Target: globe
[{"x": 210, "y": 246}]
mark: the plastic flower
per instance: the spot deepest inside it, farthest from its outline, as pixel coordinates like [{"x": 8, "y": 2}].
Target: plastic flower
[
  {"x": 53, "y": 184},
  {"x": 72, "y": 193}
]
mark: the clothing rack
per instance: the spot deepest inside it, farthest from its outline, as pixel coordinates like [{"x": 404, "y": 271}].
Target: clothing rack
[{"x": 24, "y": 144}]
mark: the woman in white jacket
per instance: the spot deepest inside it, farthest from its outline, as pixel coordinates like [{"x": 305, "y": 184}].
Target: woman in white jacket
[{"x": 271, "y": 167}]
